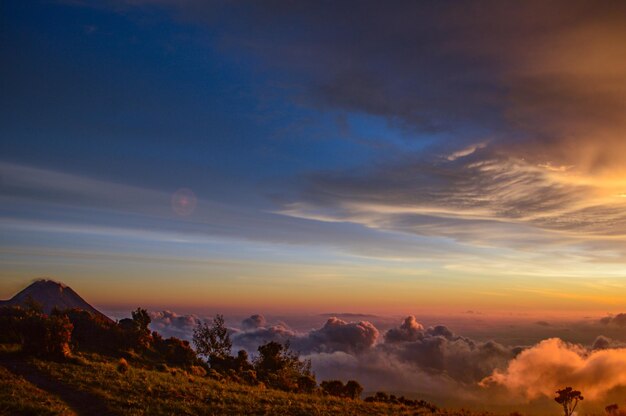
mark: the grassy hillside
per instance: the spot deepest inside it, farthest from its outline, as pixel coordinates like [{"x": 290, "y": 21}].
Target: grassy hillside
[
  {"x": 20, "y": 397},
  {"x": 93, "y": 385}
]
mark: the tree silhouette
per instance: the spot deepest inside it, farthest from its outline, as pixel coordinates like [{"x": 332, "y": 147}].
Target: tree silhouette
[
  {"x": 353, "y": 389},
  {"x": 333, "y": 387},
  {"x": 280, "y": 367},
  {"x": 568, "y": 398},
  {"x": 142, "y": 319},
  {"x": 212, "y": 341}
]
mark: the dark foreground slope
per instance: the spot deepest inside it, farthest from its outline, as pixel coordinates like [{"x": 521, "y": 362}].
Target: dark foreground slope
[{"x": 137, "y": 391}]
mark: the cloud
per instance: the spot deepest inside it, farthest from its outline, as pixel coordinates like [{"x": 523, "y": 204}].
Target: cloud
[
  {"x": 434, "y": 361},
  {"x": 250, "y": 339},
  {"x": 170, "y": 324},
  {"x": 53, "y": 201},
  {"x": 409, "y": 330},
  {"x": 253, "y": 322},
  {"x": 547, "y": 84},
  {"x": 438, "y": 350},
  {"x": 335, "y": 335},
  {"x": 339, "y": 335},
  {"x": 617, "y": 320},
  {"x": 552, "y": 364},
  {"x": 544, "y": 85},
  {"x": 486, "y": 198},
  {"x": 601, "y": 343}
]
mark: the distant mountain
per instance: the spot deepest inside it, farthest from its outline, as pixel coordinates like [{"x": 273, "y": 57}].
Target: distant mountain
[{"x": 50, "y": 295}]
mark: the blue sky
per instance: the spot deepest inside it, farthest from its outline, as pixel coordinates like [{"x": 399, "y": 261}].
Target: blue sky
[{"x": 359, "y": 155}]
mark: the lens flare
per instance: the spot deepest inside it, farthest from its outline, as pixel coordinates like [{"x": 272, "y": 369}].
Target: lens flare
[{"x": 184, "y": 202}]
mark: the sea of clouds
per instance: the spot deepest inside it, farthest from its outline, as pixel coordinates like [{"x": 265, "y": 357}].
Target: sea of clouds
[{"x": 434, "y": 362}]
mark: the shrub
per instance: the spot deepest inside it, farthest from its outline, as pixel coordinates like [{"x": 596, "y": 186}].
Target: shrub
[
  {"x": 306, "y": 384},
  {"x": 122, "y": 365},
  {"x": 215, "y": 375},
  {"x": 92, "y": 332},
  {"x": 353, "y": 390},
  {"x": 44, "y": 335},
  {"x": 332, "y": 388},
  {"x": 135, "y": 333},
  {"x": 279, "y": 367},
  {"x": 613, "y": 410},
  {"x": 249, "y": 376},
  {"x": 11, "y": 318},
  {"x": 198, "y": 371},
  {"x": 177, "y": 352}
]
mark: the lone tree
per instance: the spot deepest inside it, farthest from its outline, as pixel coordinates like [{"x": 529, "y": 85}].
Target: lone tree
[
  {"x": 568, "y": 398},
  {"x": 280, "y": 367},
  {"x": 142, "y": 320},
  {"x": 353, "y": 389},
  {"x": 212, "y": 341}
]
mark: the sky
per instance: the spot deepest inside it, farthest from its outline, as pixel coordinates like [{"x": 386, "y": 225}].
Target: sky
[{"x": 310, "y": 157}]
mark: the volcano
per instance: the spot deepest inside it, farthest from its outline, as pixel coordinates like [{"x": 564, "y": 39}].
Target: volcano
[{"x": 51, "y": 295}]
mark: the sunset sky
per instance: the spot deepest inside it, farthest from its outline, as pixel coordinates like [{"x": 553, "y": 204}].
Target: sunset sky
[{"x": 282, "y": 156}]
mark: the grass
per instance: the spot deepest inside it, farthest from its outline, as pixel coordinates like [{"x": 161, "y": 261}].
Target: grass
[
  {"x": 20, "y": 397},
  {"x": 136, "y": 391}
]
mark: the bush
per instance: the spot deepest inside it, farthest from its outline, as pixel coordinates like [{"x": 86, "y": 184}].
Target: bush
[
  {"x": 175, "y": 351},
  {"x": 352, "y": 390},
  {"x": 122, "y": 365},
  {"x": 92, "y": 332},
  {"x": 215, "y": 375},
  {"x": 11, "y": 318},
  {"x": 135, "y": 332},
  {"x": 306, "y": 384},
  {"x": 279, "y": 367},
  {"x": 249, "y": 377},
  {"x": 47, "y": 336},
  {"x": 198, "y": 371},
  {"x": 332, "y": 388}
]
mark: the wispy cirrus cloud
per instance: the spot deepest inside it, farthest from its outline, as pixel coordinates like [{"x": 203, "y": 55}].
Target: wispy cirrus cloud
[{"x": 483, "y": 197}]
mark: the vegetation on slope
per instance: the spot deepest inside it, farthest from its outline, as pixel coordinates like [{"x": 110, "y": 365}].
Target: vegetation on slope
[
  {"x": 138, "y": 391},
  {"x": 20, "y": 397}
]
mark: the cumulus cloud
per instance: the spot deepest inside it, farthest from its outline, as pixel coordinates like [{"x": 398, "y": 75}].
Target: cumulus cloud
[
  {"x": 601, "y": 343},
  {"x": 339, "y": 335},
  {"x": 438, "y": 350},
  {"x": 409, "y": 330},
  {"x": 434, "y": 360},
  {"x": 254, "y": 321},
  {"x": 335, "y": 335},
  {"x": 250, "y": 339},
  {"x": 170, "y": 324},
  {"x": 409, "y": 348},
  {"x": 552, "y": 364}
]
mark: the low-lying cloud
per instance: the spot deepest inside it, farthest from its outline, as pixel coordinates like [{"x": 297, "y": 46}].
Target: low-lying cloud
[
  {"x": 414, "y": 359},
  {"x": 553, "y": 364},
  {"x": 170, "y": 324},
  {"x": 616, "y": 320}
]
